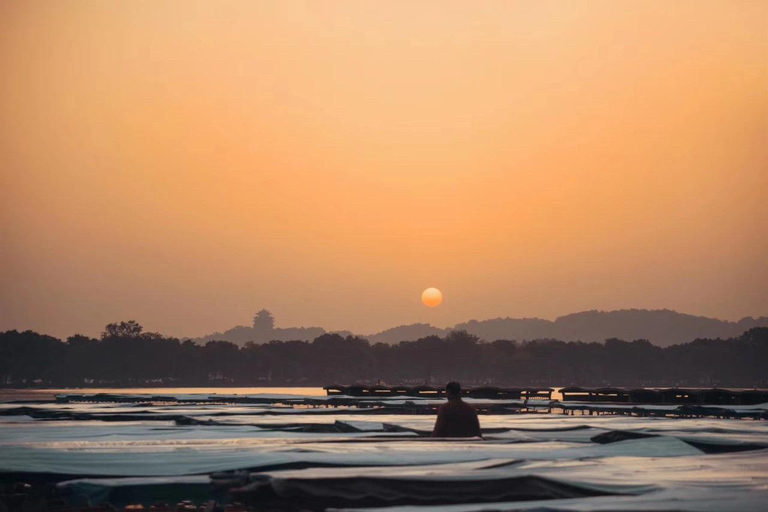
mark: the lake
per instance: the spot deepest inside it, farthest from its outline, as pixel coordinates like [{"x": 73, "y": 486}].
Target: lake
[
  {"x": 297, "y": 452},
  {"x": 7, "y": 395}
]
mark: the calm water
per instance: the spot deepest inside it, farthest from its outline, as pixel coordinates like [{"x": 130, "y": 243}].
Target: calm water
[
  {"x": 7, "y": 395},
  {"x": 666, "y": 470}
]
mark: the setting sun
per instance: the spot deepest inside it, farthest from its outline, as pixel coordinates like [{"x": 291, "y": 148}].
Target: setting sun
[
  {"x": 432, "y": 297},
  {"x": 232, "y": 205}
]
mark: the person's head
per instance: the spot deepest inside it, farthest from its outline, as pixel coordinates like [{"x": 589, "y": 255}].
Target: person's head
[{"x": 453, "y": 390}]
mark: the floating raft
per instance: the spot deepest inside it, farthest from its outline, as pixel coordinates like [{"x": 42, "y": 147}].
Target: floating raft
[{"x": 670, "y": 396}]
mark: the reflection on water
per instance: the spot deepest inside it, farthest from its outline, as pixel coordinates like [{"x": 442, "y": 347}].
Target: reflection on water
[{"x": 7, "y": 395}]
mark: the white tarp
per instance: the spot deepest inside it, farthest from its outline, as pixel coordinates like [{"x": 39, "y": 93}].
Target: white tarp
[{"x": 665, "y": 471}]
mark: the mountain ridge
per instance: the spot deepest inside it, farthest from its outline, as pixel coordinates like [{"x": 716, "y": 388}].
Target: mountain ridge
[{"x": 662, "y": 327}]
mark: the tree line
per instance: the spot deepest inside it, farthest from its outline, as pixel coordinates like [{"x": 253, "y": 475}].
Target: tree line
[{"x": 125, "y": 356}]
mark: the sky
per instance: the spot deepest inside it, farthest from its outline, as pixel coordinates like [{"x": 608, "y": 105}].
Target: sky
[{"x": 186, "y": 163}]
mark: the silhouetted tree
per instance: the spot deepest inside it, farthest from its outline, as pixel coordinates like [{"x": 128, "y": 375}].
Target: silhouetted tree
[
  {"x": 129, "y": 329},
  {"x": 127, "y": 356}
]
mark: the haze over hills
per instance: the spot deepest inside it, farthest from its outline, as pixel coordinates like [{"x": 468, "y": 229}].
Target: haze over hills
[
  {"x": 264, "y": 330},
  {"x": 661, "y": 327}
]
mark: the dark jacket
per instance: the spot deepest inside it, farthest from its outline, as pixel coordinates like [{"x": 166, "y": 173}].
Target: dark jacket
[{"x": 456, "y": 418}]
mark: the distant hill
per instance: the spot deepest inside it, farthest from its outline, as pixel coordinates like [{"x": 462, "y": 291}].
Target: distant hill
[
  {"x": 406, "y": 333},
  {"x": 242, "y": 334},
  {"x": 661, "y": 327},
  {"x": 264, "y": 331}
]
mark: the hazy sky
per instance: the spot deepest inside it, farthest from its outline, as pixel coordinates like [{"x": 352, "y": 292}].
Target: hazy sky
[{"x": 186, "y": 163}]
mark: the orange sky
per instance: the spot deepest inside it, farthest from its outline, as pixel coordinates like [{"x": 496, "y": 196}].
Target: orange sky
[{"x": 187, "y": 163}]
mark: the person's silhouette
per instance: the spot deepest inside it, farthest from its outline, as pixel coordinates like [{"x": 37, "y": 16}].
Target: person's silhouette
[{"x": 456, "y": 418}]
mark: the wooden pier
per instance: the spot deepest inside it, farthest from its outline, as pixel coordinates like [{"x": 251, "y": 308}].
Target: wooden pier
[{"x": 485, "y": 392}]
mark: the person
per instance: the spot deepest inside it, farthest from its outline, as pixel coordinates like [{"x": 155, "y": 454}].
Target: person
[{"x": 456, "y": 418}]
